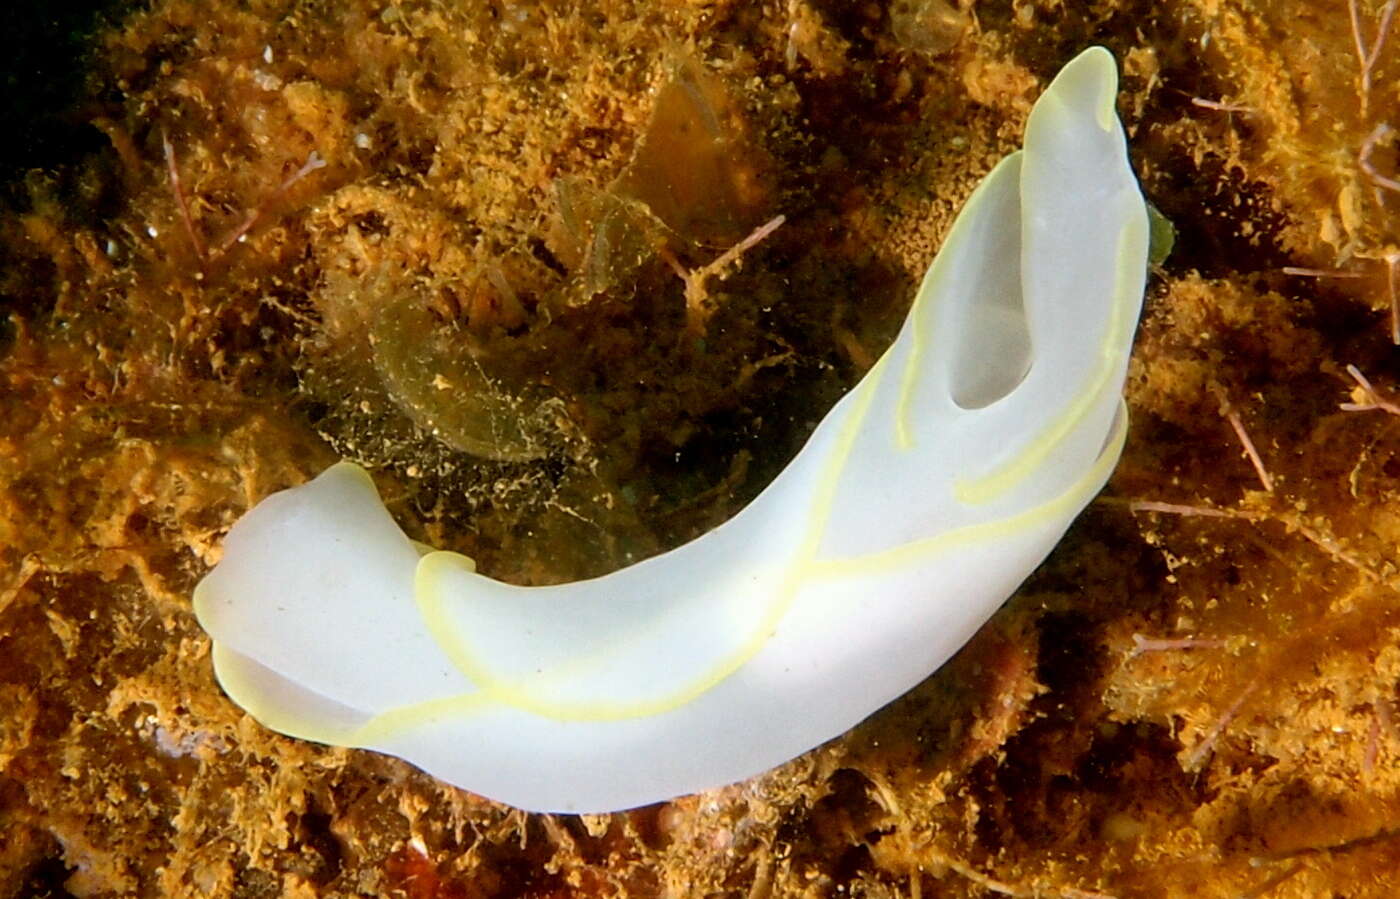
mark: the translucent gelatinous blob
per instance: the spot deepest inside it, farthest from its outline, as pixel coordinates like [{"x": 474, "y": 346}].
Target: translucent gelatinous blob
[
  {"x": 434, "y": 375},
  {"x": 928, "y": 26},
  {"x": 608, "y": 237},
  {"x": 695, "y": 168},
  {"x": 420, "y": 333},
  {"x": 695, "y": 179}
]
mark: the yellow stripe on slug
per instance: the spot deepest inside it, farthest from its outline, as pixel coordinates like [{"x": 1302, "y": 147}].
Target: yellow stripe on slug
[
  {"x": 498, "y": 692},
  {"x": 1010, "y": 474}
]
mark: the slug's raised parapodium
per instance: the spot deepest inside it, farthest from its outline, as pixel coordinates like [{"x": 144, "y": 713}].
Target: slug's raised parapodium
[{"x": 919, "y": 504}]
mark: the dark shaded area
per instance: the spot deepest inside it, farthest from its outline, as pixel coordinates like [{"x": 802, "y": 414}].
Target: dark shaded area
[
  {"x": 44, "y": 73},
  {"x": 44, "y": 880},
  {"x": 321, "y": 850},
  {"x": 836, "y": 835}
]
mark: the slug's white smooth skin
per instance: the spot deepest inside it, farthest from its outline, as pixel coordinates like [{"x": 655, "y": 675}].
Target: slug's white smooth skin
[{"x": 920, "y": 503}]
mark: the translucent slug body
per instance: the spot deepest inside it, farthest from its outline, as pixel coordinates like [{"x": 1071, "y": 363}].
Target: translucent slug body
[{"x": 921, "y": 501}]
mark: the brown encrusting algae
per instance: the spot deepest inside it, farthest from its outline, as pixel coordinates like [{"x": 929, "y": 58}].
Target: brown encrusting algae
[{"x": 471, "y": 245}]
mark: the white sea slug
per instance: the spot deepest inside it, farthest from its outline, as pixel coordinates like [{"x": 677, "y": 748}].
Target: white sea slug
[{"x": 919, "y": 504}]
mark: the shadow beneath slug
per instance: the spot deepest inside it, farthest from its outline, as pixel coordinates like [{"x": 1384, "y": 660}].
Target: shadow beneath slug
[{"x": 1014, "y": 733}]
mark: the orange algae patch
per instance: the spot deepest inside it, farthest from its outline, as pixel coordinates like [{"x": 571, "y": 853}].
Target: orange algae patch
[{"x": 501, "y": 180}]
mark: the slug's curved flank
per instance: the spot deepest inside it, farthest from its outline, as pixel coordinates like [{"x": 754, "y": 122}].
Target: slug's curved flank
[{"x": 919, "y": 504}]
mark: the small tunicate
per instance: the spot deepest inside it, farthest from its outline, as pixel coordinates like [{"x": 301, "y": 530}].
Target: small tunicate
[
  {"x": 928, "y": 26},
  {"x": 435, "y": 374}
]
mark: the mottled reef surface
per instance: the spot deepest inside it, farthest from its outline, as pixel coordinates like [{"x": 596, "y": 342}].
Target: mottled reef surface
[{"x": 470, "y": 245}]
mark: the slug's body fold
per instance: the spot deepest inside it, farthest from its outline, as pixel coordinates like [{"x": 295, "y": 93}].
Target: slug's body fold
[{"x": 919, "y": 504}]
